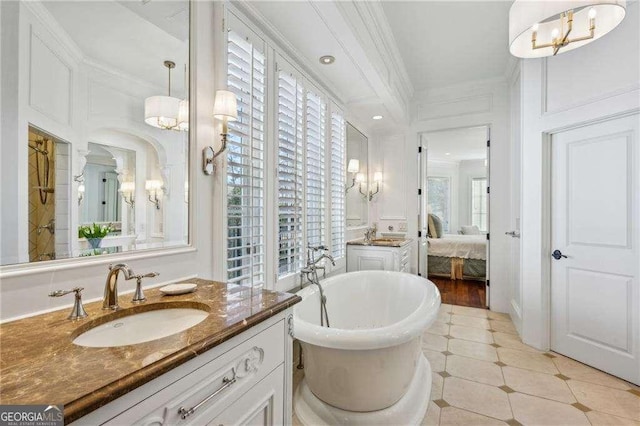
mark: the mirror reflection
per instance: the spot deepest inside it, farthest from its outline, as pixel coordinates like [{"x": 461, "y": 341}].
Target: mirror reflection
[
  {"x": 95, "y": 135},
  {"x": 357, "y": 177}
]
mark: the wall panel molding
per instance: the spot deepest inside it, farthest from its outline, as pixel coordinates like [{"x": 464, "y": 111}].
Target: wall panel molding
[{"x": 455, "y": 107}]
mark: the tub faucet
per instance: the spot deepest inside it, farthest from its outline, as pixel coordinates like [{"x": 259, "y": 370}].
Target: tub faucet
[{"x": 311, "y": 273}]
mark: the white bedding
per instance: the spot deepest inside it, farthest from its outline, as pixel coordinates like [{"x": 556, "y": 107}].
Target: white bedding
[{"x": 464, "y": 246}]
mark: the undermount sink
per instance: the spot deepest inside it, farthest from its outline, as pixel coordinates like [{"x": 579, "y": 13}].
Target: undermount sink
[{"x": 141, "y": 327}]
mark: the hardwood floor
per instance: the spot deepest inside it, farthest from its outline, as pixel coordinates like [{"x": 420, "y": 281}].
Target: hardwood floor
[{"x": 461, "y": 292}]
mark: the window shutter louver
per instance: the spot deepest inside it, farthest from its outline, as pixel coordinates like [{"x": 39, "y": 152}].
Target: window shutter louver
[
  {"x": 338, "y": 179},
  {"x": 315, "y": 132},
  {"x": 290, "y": 174},
  {"x": 245, "y": 163}
]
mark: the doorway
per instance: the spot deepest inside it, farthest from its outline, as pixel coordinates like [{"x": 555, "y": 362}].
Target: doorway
[
  {"x": 453, "y": 251},
  {"x": 595, "y": 234}
]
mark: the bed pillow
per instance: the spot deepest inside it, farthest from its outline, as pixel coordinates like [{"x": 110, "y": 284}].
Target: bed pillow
[
  {"x": 435, "y": 226},
  {"x": 470, "y": 230}
]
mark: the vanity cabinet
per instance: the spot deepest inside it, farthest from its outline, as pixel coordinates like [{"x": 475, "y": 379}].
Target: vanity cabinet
[
  {"x": 246, "y": 380},
  {"x": 379, "y": 258}
]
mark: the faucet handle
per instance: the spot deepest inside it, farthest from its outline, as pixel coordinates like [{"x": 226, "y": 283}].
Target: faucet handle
[
  {"x": 77, "y": 312},
  {"x": 138, "y": 296}
]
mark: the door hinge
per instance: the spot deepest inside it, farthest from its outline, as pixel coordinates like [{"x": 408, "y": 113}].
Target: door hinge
[
  {"x": 419, "y": 234},
  {"x": 488, "y": 143},
  {"x": 419, "y": 191},
  {"x": 488, "y": 284},
  {"x": 419, "y": 150},
  {"x": 487, "y": 236},
  {"x": 488, "y": 190}
]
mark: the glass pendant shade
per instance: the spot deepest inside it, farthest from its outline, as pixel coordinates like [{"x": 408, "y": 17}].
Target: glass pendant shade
[
  {"x": 541, "y": 20},
  {"x": 183, "y": 115},
  {"x": 161, "y": 111}
]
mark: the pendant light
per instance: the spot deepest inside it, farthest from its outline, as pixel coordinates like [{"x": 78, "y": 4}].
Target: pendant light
[
  {"x": 547, "y": 28},
  {"x": 162, "y": 111}
]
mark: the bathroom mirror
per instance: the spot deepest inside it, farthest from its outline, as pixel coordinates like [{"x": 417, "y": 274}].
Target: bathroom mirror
[
  {"x": 95, "y": 128},
  {"x": 357, "y": 177}
]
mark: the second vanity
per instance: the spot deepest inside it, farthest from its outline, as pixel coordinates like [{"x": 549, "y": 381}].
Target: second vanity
[
  {"x": 380, "y": 254},
  {"x": 233, "y": 367}
]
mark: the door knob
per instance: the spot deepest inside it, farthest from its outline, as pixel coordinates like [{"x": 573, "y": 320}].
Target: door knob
[{"x": 557, "y": 255}]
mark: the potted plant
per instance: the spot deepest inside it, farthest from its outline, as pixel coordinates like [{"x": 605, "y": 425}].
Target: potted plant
[{"x": 94, "y": 233}]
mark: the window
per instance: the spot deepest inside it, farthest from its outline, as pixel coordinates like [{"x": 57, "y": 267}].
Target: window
[
  {"x": 245, "y": 163},
  {"x": 479, "y": 203},
  {"x": 338, "y": 167},
  {"x": 438, "y": 195},
  {"x": 290, "y": 173},
  {"x": 315, "y": 146}
]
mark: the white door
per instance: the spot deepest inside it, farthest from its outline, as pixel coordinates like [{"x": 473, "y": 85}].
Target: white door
[{"x": 595, "y": 292}]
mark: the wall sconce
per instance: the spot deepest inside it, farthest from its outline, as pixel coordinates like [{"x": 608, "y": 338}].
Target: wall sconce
[
  {"x": 186, "y": 192},
  {"x": 153, "y": 188},
  {"x": 225, "y": 108},
  {"x": 81, "y": 190},
  {"x": 353, "y": 168},
  {"x": 128, "y": 190},
  {"x": 377, "y": 178}
]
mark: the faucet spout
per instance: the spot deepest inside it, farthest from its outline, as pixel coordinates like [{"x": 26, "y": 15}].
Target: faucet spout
[{"x": 110, "y": 300}]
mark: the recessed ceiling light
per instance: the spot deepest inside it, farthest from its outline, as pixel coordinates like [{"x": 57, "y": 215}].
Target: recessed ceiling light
[
  {"x": 377, "y": 117},
  {"x": 447, "y": 153},
  {"x": 327, "y": 59}
]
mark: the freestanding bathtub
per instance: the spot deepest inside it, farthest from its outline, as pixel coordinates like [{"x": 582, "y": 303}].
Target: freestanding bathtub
[{"x": 370, "y": 358}]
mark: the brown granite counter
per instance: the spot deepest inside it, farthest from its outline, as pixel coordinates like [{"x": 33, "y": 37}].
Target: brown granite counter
[
  {"x": 381, "y": 242},
  {"x": 39, "y": 364}
]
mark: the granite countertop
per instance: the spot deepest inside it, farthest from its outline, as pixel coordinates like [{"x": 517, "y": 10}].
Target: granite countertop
[
  {"x": 39, "y": 364},
  {"x": 381, "y": 242}
]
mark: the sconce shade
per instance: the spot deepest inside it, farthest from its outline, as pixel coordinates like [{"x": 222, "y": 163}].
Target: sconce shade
[
  {"x": 354, "y": 166},
  {"x": 543, "y": 17},
  {"x": 360, "y": 178},
  {"x": 81, "y": 188},
  {"x": 225, "y": 106},
  {"x": 161, "y": 111},
  {"x": 153, "y": 185},
  {"x": 377, "y": 177},
  {"x": 127, "y": 187}
]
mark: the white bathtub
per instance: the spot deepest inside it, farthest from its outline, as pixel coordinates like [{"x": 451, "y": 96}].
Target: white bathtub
[{"x": 368, "y": 357}]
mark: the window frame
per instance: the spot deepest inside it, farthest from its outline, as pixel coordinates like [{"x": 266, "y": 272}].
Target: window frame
[
  {"x": 449, "y": 179},
  {"x": 486, "y": 203}
]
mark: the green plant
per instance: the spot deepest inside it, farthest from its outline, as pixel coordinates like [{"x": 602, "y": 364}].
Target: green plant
[{"x": 94, "y": 231}]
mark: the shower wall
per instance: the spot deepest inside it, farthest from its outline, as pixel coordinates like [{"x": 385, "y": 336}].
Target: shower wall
[{"x": 41, "y": 188}]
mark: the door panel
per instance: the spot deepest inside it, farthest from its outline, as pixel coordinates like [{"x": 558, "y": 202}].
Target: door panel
[{"x": 595, "y": 294}]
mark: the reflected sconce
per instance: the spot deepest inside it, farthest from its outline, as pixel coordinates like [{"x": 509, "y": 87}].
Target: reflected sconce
[
  {"x": 167, "y": 112},
  {"x": 128, "y": 190},
  {"x": 225, "y": 108},
  {"x": 353, "y": 168},
  {"x": 377, "y": 178},
  {"x": 81, "y": 190},
  {"x": 186, "y": 192},
  {"x": 154, "y": 188},
  {"x": 546, "y": 28}
]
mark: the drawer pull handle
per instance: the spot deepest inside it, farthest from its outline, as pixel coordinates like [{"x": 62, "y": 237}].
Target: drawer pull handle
[{"x": 184, "y": 413}]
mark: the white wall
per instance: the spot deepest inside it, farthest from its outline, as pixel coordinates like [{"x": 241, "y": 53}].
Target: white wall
[
  {"x": 583, "y": 86},
  {"x": 24, "y": 288},
  {"x": 468, "y": 170}
]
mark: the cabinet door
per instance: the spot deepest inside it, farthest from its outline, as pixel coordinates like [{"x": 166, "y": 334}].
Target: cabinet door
[{"x": 263, "y": 405}]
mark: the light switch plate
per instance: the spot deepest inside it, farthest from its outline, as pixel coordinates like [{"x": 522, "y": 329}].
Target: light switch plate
[{"x": 402, "y": 226}]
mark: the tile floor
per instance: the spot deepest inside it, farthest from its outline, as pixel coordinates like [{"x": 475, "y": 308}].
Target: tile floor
[{"x": 484, "y": 375}]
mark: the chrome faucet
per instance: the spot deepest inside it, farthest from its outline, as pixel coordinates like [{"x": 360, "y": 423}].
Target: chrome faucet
[
  {"x": 110, "y": 300},
  {"x": 311, "y": 272},
  {"x": 370, "y": 233}
]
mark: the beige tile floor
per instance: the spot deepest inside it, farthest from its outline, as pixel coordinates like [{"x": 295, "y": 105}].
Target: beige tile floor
[{"x": 484, "y": 375}]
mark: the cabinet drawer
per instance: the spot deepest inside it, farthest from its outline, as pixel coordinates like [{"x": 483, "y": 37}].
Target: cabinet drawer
[
  {"x": 227, "y": 378},
  {"x": 261, "y": 405}
]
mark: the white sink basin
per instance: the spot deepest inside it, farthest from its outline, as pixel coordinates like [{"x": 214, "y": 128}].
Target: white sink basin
[{"x": 140, "y": 328}]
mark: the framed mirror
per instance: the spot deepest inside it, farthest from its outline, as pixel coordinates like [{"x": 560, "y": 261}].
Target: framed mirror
[
  {"x": 357, "y": 177},
  {"x": 95, "y": 128}
]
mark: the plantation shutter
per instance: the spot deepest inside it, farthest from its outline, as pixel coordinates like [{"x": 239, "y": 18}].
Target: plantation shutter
[
  {"x": 315, "y": 132},
  {"x": 290, "y": 174},
  {"x": 338, "y": 170},
  {"x": 245, "y": 162}
]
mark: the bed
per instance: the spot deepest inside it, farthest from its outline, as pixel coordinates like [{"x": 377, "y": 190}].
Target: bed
[{"x": 458, "y": 256}]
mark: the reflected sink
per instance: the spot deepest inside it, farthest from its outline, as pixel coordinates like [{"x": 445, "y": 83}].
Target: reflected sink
[{"x": 141, "y": 327}]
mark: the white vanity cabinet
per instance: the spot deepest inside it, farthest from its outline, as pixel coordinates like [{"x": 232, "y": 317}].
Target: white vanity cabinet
[
  {"x": 246, "y": 380},
  {"x": 379, "y": 257}
]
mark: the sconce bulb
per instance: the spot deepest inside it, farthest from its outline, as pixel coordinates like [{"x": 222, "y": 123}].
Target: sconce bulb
[
  {"x": 535, "y": 27},
  {"x": 592, "y": 13},
  {"x": 555, "y": 33}
]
